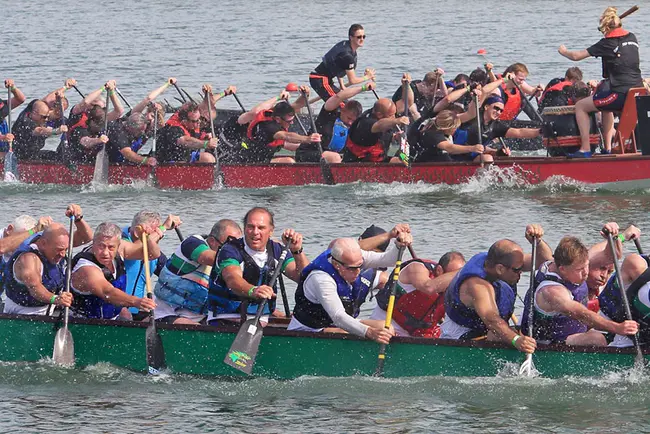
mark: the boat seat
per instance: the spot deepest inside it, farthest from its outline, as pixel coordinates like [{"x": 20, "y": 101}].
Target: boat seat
[{"x": 624, "y": 139}]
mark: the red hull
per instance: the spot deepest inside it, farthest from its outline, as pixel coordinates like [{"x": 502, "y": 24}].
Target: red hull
[{"x": 624, "y": 171}]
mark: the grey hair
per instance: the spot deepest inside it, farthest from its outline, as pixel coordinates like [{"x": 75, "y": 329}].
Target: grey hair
[
  {"x": 220, "y": 227},
  {"x": 24, "y": 222},
  {"x": 107, "y": 230},
  {"x": 144, "y": 217},
  {"x": 342, "y": 245}
]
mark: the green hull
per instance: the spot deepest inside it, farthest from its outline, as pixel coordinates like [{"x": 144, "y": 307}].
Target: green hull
[{"x": 286, "y": 355}]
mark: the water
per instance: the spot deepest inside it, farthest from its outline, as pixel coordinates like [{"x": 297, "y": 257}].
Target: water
[{"x": 260, "y": 46}]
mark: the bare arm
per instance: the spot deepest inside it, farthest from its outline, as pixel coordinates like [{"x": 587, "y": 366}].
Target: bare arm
[
  {"x": 83, "y": 233},
  {"x": 451, "y": 97},
  {"x": 132, "y": 156},
  {"x": 87, "y": 102},
  {"x": 383, "y": 125},
  {"x": 291, "y": 137},
  {"x": 28, "y": 270},
  {"x": 523, "y": 133},
  {"x": 335, "y": 101},
  {"x": 459, "y": 149},
  {"x": 12, "y": 242},
  {"x": 91, "y": 279},
  {"x": 133, "y": 250},
  {"x": 576, "y": 55},
  {"x": 234, "y": 278},
  {"x": 118, "y": 110},
  {"x": 248, "y": 117},
  {"x": 142, "y": 105},
  {"x": 478, "y": 294}
]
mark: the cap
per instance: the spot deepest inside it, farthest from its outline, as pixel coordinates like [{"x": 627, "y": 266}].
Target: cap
[{"x": 372, "y": 231}]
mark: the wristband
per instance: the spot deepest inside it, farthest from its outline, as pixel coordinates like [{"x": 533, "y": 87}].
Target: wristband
[
  {"x": 364, "y": 88},
  {"x": 621, "y": 238},
  {"x": 78, "y": 219},
  {"x": 205, "y": 144},
  {"x": 278, "y": 98},
  {"x": 514, "y": 340},
  {"x": 505, "y": 80},
  {"x": 144, "y": 160},
  {"x": 102, "y": 89},
  {"x": 53, "y": 299},
  {"x": 31, "y": 232},
  {"x": 162, "y": 228},
  {"x": 12, "y": 88},
  {"x": 297, "y": 252},
  {"x": 222, "y": 94},
  {"x": 167, "y": 84},
  {"x": 250, "y": 291}
]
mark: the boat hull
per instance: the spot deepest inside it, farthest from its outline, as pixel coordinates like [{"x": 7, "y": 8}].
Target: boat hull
[{"x": 287, "y": 355}]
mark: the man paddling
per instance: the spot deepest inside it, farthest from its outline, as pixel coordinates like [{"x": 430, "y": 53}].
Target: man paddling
[
  {"x": 31, "y": 130},
  {"x": 481, "y": 298},
  {"x": 17, "y": 99},
  {"x": 420, "y": 94},
  {"x": 13, "y": 235},
  {"x": 181, "y": 139},
  {"x": 340, "y": 61},
  {"x": 98, "y": 275}
]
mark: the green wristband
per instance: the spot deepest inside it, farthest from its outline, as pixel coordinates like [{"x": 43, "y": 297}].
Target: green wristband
[
  {"x": 222, "y": 94},
  {"x": 621, "y": 238},
  {"x": 514, "y": 340},
  {"x": 162, "y": 228},
  {"x": 205, "y": 144},
  {"x": 364, "y": 88},
  {"x": 53, "y": 299},
  {"x": 144, "y": 160},
  {"x": 31, "y": 232},
  {"x": 250, "y": 291}
]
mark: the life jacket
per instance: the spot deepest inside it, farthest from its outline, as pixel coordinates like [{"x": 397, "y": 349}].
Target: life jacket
[
  {"x": 467, "y": 317},
  {"x": 134, "y": 269},
  {"x": 313, "y": 315},
  {"x": 222, "y": 300},
  {"x": 175, "y": 121},
  {"x": 622, "y": 67},
  {"x": 3, "y": 272},
  {"x": 52, "y": 277},
  {"x": 263, "y": 116},
  {"x": 416, "y": 312},
  {"x": 91, "y": 306},
  {"x": 512, "y": 103},
  {"x": 329, "y": 60},
  {"x": 82, "y": 122},
  {"x": 339, "y": 136},
  {"x": 374, "y": 153},
  {"x": 554, "y": 328},
  {"x": 361, "y": 288},
  {"x": 554, "y": 94}
]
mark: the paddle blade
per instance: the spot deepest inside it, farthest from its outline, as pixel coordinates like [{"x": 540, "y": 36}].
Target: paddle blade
[
  {"x": 63, "y": 348},
  {"x": 326, "y": 170},
  {"x": 155, "y": 350},
  {"x": 11, "y": 167},
  {"x": 101, "y": 167},
  {"x": 527, "y": 368},
  {"x": 244, "y": 348}
]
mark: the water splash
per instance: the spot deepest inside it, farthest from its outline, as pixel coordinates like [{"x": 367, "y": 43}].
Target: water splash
[{"x": 133, "y": 185}]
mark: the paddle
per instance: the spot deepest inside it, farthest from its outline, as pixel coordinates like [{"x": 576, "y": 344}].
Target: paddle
[
  {"x": 637, "y": 243},
  {"x": 547, "y": 127},
  {"x": 241, "y": 106},
  {"x": 154, "y": 139},
  {"x": 101, "y": 160},
  {"x": 243, "y": 350},
  {"x": 527, "y": 367},
  {"x": 412, "y": 252},
  {"x": 479, "y": 121},
  {"x": 188, "y": 95},
  {"x": 63, "y": 353},
  {"x": 629, "y": 12},
  {"x": 10, "y": 162},
  {"x": 381, "y": 359},
  {"x": 217, "y": 174},
  {"x": 180, "y": 93},
  {"x": 78, "y": 91},
  {"x": 405, "y": 150},
  {"x": 285, "y": 300},
  {"x": 123, "y": 99},
  {"x": 639, "y": 360},
  {"x": 181, "y": 238},
  {"x": 325, "y": 168},
  {"x": 154, "y": 346}
]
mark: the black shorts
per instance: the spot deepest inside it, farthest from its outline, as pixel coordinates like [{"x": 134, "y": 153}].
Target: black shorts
[
  {"x": 323, "y": 86},
  {"x": 308, "y": 155},
  {"x": 606, "y": 100}
]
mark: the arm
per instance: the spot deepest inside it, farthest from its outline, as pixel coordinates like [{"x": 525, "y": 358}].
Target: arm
[
  {"x": 418, "y": 276},
  {"x": 91, "y": 279},
  {"x": 49, "y": 132},
  {"x": 118, "y": 110},
  {"x": 142, "y": 105},
  {"x": 471, "y": 110},
  {"x": 28, "y": 270},
  {"x": 132, "y": 156},
  {"x": 335, "y": 101},
  {"x": 478, "y": 294},
  {"x": 194, "y": 143},
  {"x": 12, "y": 242},
  {"x": 288, "y": 136},
  {"x": 452, "y": 97},
  {"x": 90, "y": 142},
  {"x": 544, "y": 252},
  {"x": 83, "y": 233},
  {"x": 523, "y": 133},
  {"x": 18, "y": 96},
  {"x": 460, "y": 149},
  {"x": 576, "y": 55},
  {"x": 383, "y": 125},
  {"x": 87, "y": 102},
  {"x": 133, "y": 250},
  {"x": 248, "y": 117},
  {"x": 353, "y": 79}
]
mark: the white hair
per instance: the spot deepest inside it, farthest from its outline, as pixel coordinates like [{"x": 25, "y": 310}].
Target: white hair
[
  {"x": 342, "y": 245},
  {"x": 107, "y": 230},
  {"x": 146, "y": 217},
  {"x": 23, "y": 223}
]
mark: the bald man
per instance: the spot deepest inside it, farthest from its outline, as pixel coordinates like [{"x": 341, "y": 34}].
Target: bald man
[
  {"x": 325, "y": 294},
  {"x": 481, "y": 298},
  {"x": 364, "y": 136},
  {"x": 30, "y": 131}
]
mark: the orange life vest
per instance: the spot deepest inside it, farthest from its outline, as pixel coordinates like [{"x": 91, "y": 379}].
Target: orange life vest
[
  {"x": 512, "y": 105},
  {"x": 175, "y": 121},
  {"x": 81, "y": 123},
  {"x": 374, "y": 153},
  {"x": 263, "y": 116}
]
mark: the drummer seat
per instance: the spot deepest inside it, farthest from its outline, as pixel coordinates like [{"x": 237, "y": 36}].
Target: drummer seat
[{"x": 624, "y": 138}]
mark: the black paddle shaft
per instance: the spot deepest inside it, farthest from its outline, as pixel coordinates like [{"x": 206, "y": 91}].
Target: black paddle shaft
[
  {"x": 637, "y": 243},
  {"x": 537, "y": 115},
  {"x": 531, "y": 301},
  {"x": 285, "y": 300},
  {"x": 180, "y": 93},
  {"x": 241, "y": 106}
]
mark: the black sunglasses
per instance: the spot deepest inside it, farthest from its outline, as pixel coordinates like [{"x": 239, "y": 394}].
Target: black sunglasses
[
  {"x": 361, "y": 37},
  {"x": 517, "y": 270},
  {"x": 351, "y": 268},
  {"x": 497, "y": 109}
]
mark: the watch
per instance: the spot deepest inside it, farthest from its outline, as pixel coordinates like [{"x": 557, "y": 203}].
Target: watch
[{"x": 297, "y": 252}]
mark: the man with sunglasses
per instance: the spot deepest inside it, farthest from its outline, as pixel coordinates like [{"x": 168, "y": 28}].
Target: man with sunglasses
[
  {"x": 181, "y": 139},
  {"x": 30, "y": 131},
  {"x": 481, "y": 298},
  {"x": 340, "y": 61},
  {"x": 181, "y": 292},
  {"x": 326, "y": 291},
  {"x": 561, "y": 294}
]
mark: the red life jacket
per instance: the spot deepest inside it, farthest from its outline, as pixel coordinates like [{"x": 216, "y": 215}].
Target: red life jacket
[
  {"x": 374, "y": 153},
  {"x": 81, "y": 123},
  {"x": 263, "y": 116},
  {"x": 512, "y": 105},
  {"x": 419, "y": 313},
  {"x": 175, "y": 121},
  {"x": 617, "y": 33}
]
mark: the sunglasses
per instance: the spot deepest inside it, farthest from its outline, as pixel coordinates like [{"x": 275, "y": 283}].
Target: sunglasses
[
  {"x": 290, "y": 120},
  {"x": 361, "y": 37},
  {"x": 42, "y": 116},
  {"x": 349, "y": 267},
  {"x": 229, "y": 239},
  {"x": 497, "y": 109},
  {"x": 517, "y": 270}
]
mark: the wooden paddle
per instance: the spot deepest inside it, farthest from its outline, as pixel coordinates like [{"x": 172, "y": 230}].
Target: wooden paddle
[
  {"x": 100, "y": 175},
  {"x": 639, "y": 360},
  {"x": 527, "y": 367},
  {"x": 63, "y": 353},
  {"x": 325, "y": 168},
  {"x": 629, "y": 12},
  {"x": 381, "y": 359},
  {"x": 217, "y": 174},
  {"x": 285, "y": 300},
  {"x": 243, "y": 350},
  {"x": 10, "y": 161},
  {"x": 153, "y": 342}
]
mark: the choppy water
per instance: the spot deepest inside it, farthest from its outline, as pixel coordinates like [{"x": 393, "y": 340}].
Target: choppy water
[{"x": 260, "y": 46}]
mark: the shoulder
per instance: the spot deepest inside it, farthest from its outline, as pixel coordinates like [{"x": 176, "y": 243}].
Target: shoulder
[
  {"x": 230, "y": 251},
  {"x": 476, "y": 285}
]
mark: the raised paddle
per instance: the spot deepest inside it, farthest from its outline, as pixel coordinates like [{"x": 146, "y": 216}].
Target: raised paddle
[
  {"x": 243, "y": 350},
  {"x": 78, "y": 91},
  {"x": 100, "y": 176},
  {"x": 63, "y": 353},
  {"x": 527, "y": 367},
  {"x": 381, "y": 358},
  {"x": 181, "y": 238},
  {"x": 217, "y": 174},
  {"x": 412, "y": 252},
  {"x": 10, "y": 161},
  {"x": 325, "y": 168},
  {"x": 479, "y": 122},
  {"x": 629, "y": 12},
  {"x": 178, "y": 89},
  {"x": 188, "y": 95},
  {"x": 639, "y": 360},
  {"x": 241, "y": 106},
  {"x": 123, "y": 99},
  {"x": 637, "y": 243},
  {"x": 154, "y": 346},
  {"x": 405, "y": 149}
]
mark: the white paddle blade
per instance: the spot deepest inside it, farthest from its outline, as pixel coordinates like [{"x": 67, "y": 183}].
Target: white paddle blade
[
  {"x": 63, "y": 348},
  {"x": 527, "y": 367},
  {"x": 100, "y": 175}
]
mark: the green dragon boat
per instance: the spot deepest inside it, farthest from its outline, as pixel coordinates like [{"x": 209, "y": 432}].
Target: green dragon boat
[{"x": 286, "y": 354}]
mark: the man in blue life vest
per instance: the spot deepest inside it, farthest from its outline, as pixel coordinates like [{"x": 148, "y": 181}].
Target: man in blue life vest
[
  {"x": 340, "y": 61},
  {"x": 561, "y": 295},
  {"x": 134, "y": 268},
  {"x": 182, "y": 289},
  {"x": 98, "y": 275},
  {"x": 246, "y": 266},
  {"x": 481, "y": 298},
  {"x": 325, "y": 294}
]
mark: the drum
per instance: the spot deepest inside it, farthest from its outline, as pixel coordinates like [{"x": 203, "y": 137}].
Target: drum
[{"x": 566, "y": 128}]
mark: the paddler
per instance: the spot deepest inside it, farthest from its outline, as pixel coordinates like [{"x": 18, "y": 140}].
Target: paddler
[
  {"x": 619, "y": 51},
  {"x": 245, "y": 266},
  {"x": 419, "y": 302},
  {"x": 556, "y": 93},
  {"x": 182, "y": 288},
  {"x": 324, "y": 298},
  {"x": 560, "y": 313},
  {"x": 13, "y": 235},
  {"x": 17, "y": 99},
  {"x": 481, "y": 298},
  {"x": 36, "y": 270},
  {"x": 30, "y": 131},
  {"x": 126, "y": 136},
  {"x": 514, "y": 100},
  {"x": 421, "y": 94},
  {"x": 181, "y": 139},
  {"x": 98, "y": 276},
  {"x": 340, "y": 61},
  {"x": 79, "y": 112}
]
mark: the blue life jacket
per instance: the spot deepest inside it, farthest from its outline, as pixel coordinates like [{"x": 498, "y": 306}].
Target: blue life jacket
[
  {"x": 4, "y": 129},
  {"x": 463, "y": 315},
  {"x": 460, "y": 137},
  {"x": 554, "y": 328},
  {"x": 339, "y": 136},
  {"x": 53, "y": 276},
  {"x": 361, "y": 288},
  {"x": 312, "y": 314},
  {"x": 3, "y": 272},
  {"x": 91, "y": 306},
  {"x": 222, "y": 300},
  {"x": 134, "y": 268},
  {"x": 329, "y": 59}
]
